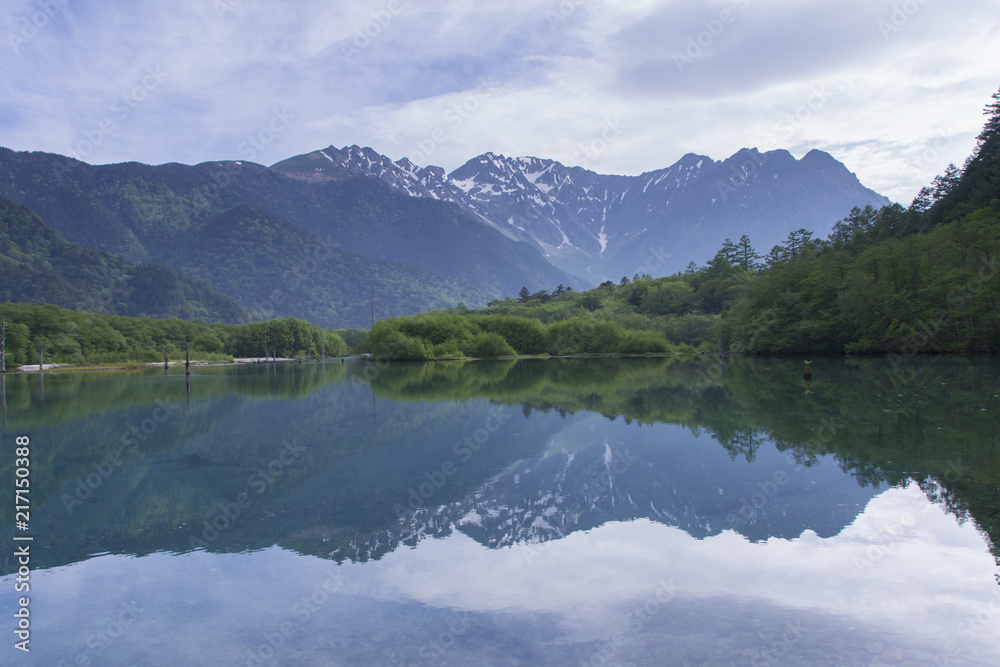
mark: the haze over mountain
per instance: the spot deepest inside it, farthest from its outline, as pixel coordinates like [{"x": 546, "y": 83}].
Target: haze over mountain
[{"x": 601, "y": 227}]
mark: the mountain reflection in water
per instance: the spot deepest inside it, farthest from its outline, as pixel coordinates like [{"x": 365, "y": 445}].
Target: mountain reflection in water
[{"x": 578, "y": 511}]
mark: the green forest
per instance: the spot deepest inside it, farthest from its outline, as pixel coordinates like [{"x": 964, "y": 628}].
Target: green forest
[
  {"x": 76, "y": 337},
  {"x": 39, "y": 266},
  {"x": 897, "y": 280}
]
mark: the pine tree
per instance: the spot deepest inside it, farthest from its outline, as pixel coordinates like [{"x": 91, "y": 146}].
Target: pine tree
[
  {"x": 989, "y": 138},
  {"x": 945, "y": 184},
  {"x": 923, "y": 201},
  {"x": 729, "y": 252},
  {"x": 860, "y": 221},
  {"x": 797, "y": 242},
  {"x": 776, "y": 256},
  {"x": 961, "y": 191},
  {"x": 524, "y": 295},
  {"x": 746, "y": 256}
]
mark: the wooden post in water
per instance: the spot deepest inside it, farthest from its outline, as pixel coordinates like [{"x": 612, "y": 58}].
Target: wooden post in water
[
  {"x": 187, "y": 361},
  {"x": 166, "y": 362},
  {"x": 40, "y": 355},
  {"x": 3, "y": 355}
]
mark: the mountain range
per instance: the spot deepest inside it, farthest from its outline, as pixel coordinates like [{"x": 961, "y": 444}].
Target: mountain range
[
  {"x": 600, "y": 227},
  {"x": 277, "y": 246},
  {"x": 322, "y": 235}
]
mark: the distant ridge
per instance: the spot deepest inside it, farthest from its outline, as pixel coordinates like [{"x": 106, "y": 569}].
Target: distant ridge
[
  {"x": 601, "y": 227},
  {"x": 275, "y": 246}
]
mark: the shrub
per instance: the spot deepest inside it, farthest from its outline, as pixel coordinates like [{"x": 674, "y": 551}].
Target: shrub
[
  {"x": 436, "y": 328},
  {"x": 488, "y": 345},
  {"x": 447, "y": 350},
  {"x": 644, "y": 342},
  {"x": 584, "y": 335},
  {"x": 386, "y": 341},
  {"x": 526, "y": 336}
]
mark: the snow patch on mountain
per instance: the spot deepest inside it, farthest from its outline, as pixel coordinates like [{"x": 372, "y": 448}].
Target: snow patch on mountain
[{"x": 689, "y": 206}]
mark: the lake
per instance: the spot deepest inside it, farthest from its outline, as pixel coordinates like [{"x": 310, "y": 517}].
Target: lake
[{"x": 644, "y": 511}]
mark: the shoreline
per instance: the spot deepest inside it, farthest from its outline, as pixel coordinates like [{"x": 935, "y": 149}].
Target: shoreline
[
  {"x": 142, "y": 365},
  {"x": 28, "y": 369},
  {"x": 246, "y": 361}
]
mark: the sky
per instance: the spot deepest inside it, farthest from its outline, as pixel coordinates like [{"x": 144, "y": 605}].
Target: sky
[{"x": 894, "y": 89}]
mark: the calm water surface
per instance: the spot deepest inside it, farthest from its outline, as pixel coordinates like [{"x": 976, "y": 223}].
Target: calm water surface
[{"x": 559, "y": 512}]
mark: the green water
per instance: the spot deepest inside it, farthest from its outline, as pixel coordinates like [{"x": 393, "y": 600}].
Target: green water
[{"x": 564, "y": 512}]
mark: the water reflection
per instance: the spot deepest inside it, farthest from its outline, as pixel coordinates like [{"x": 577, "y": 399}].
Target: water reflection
[{"x": 586, "y": 511}]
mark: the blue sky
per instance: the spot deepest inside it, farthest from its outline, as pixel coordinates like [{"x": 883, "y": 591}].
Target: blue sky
[{"x": 892, "y": 88}]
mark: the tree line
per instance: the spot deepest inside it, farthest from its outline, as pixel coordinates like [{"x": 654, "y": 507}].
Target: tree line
[{"x": 76, "y": 337}]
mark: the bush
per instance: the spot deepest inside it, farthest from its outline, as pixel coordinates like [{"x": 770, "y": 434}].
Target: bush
[
  {"x": 206, "y": 342},
  {"x": 644, "y": 342},
  {"x": 526, "y": 336},
  {"x": 436, "y": 328},
  {"x": 584, "y": 335},
  {"x": 447, "y": 350},
  {"x": 386, "y": 341},
  {"x": 691, "y": 328},
  {"x": 489, "y": 345}
]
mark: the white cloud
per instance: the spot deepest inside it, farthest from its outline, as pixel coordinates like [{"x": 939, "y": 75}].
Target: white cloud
[
  {"x": 905, "y": 576},
  {"x": 904, "y": 565},
  {"x": 385, "y": 73}
]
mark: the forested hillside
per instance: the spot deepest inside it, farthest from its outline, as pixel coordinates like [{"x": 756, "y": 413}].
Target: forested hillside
[
  {"x": 38, "y": 266},
  {"x": 921, "y": 280},
  {"x": 277, "y": 245}
]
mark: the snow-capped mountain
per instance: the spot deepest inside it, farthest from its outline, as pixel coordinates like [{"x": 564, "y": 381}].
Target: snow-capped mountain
[{"x": 600, "y": 227}]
